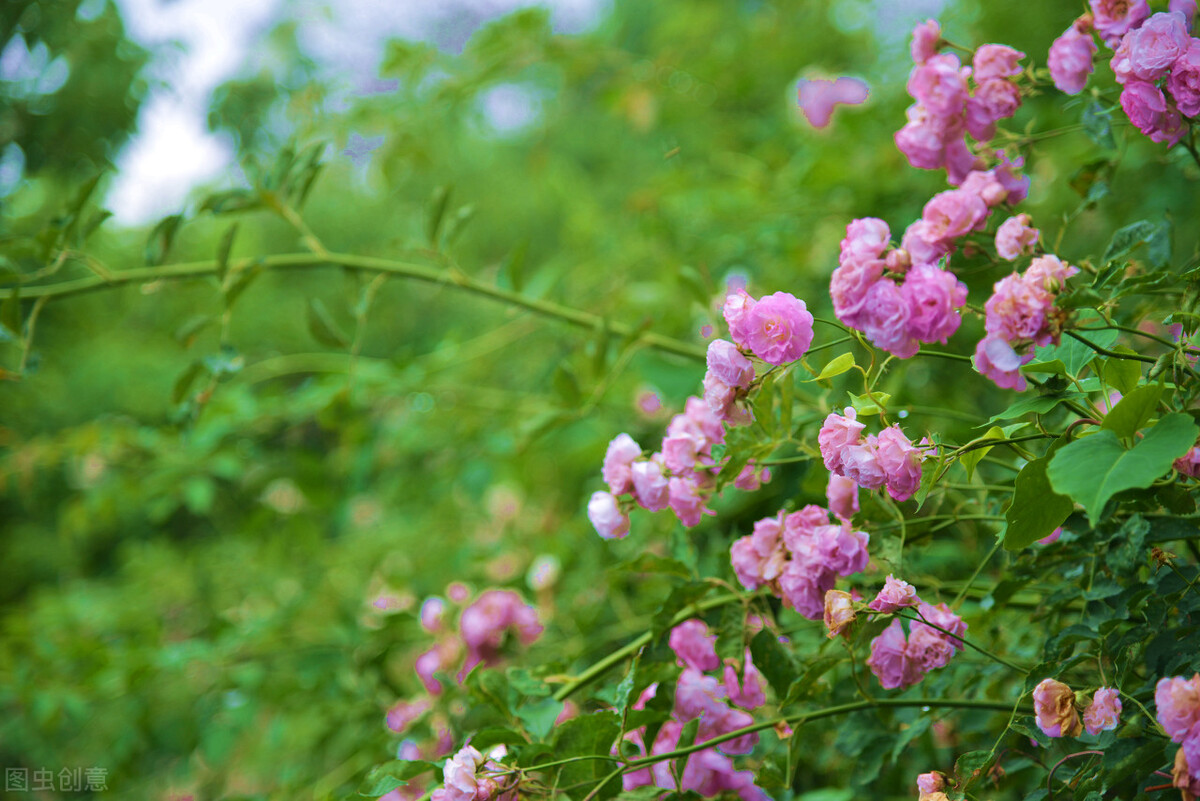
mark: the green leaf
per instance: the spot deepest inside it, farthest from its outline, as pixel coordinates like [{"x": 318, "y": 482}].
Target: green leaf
[
  {"x": 1071, "y": 356},
  {"x": 869, "y": 405},
  {"x": 1097, "y": 126},
  {"x": 972, "y": 765},
  {"x": 1039, "y": 404},
  {"x": 763, "y": 403},
  {"x": 239, "y": 284},
  {"x": 486, "y": 739},
  {"x": 970, "y": 459},
  {"x": 521, "y": 681},
  {"x": 223, "y": 249},
  {"x": 773, "y": 661},
  {"x": 587, "y": 735},
  {"x": 1133, "y": 411},
  {"x": 1036, "y": 509},
  {"x": 512, "y": 269},
  {"x": 1094, "y": 468},
  {"x": 323, "y": 328},
  {"x": 186, "y": 333},
  {"x": 566, "y": 386},
  {"x": 1141, "y": 233},
  {"x": 1127, "y": 551},
  {"x": 387, "y": 777},
  {"x": 184, "y": 383},
  {"x": 539, "y": 716},
  {"x": 837, "y": 366},
  {"x": 158, "y": 244},
  {"x": 1121, "y": 374},
  {"x": 437, "y": 211}
]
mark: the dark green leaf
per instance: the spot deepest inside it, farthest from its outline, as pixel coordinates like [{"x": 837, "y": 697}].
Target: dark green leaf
[
  {"x": 1128, "y": 239},
  {"x": 773, "y": 661},
  {"x": 539, "y": 716},
  {"x": 566, "y": 385},
  {"x": 1096, "y": 124},
  {"x": 158, "y": 244},
  {"x": 323, "y": 328},
  {"x": 437, "y": 211},
  {"x": 1127, "y": 551},
  {"x": 184, "y": 383},
  {"x": 582, "y": 736},
  {"x": 1094, "y": 468},
  {"x": 223, "y": 249},
  {"x": 679, "y": 599},
  {"x": 186, "y": 333},
  {"x": 1121, "y": 374},
  {"x": 1036, "y": 509},
  {"x": 1039, "y": 404},
  {"x": 694, "y": 284},
  {"x": 971, "y": 765},
  {"x": 486, "y": 739},
  {"x": 647, "y": 562}
]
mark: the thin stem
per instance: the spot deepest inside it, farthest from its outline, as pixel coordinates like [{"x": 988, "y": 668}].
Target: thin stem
[
  {"x": 1050, "y": 778},
  {"x": 962, "y": 593},
  {"x": 998, "y": 659},
  {"x": 1111, "y": 353},
  {"x": 598, "y": 668},
  {"x": 419, "y": 272}
]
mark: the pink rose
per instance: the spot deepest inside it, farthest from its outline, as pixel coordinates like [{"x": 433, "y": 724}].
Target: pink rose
[
  {"x": 895, "y": 595},
  {"x": 921, "y": 145},
  {"x": 650, "y": 483},
  {"x": 1017, "y": 310},
  {"x": 841, "y": 550},
  {"x": 960, "y": 161},
  {"x": 694, "y": 645},
  {"x": 934, "y": 297},
  {"x": 953, "y": 214},
  {"x": 1189, "y": 463},
  {"x": 900, "y": 461},
  {"x": 1054, "y": 707},
  {"x": 930, "y": 783},
  {"x": 889, "y": 659},
  {"x": 1104, "y": 712},
  {"x": 938, "y": 85},
  {"x": 1155, "y": 46},
  {"x": 837, "y": 435},
  {"x": 1049, "y": 273},
  {"x": 1184, "y": 81},
  {"x": 804, "y": 588},
  {"x": 866, "y": 238},
  {"x": 728, "y": 364},
  {"x": 842, "y": 494},
  {"x": 997, "y": 360},
  {"x": 1177, "y": 702},
  {"x": 610, "y": 522},
  {"x": 750, "y": 694},
  {"x": 1070, "y": 60},
  {"x": 860, "y": 463},
  {"x": 994, "y": 99},
  {"x": 1185, "y": 7},
  {"x": 848, "y": 288},
  {"x": 1015, "y": 238},
  {"x": 686, "y": 501},
  {"x": 986, "y": 186},
  {"x": 779, "y": 328},
  {"x": 885, "y": 319},
  {"x": 926, "y": 38},
  {"x": 737, "y": 306},
  {"x": 996, "y": 61},
  {"x": 618, "y": 460},
  {"x": 1017, "y": 186},
  {"x": 1147, "y": 110},
  {"x": 1113, "y": 18}
]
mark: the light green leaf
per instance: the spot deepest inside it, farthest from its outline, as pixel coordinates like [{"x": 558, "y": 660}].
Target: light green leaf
[
  {"x": 837, "y": 366},
  {"x": 970, "y": 459},
  {"x": 1133, "y": 411},
  {"x": 1121, "y": 374}
]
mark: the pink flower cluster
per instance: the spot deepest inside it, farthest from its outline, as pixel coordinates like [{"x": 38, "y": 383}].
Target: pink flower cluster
[
  {"x": 1021, "y": 313},
  {"x": 703, "y": 697},
  {"x": 896, "y": 303},
  {"x": 899, "y": 662},
  {"x": 481, "y": 630},
  {"x": 776, "y": 328},
  {"x": 1177, "y": 703},
  {"x": 1155, "y": 60},
  {"x": 682, "y": 475},
  {"x": 930, "y": 787},
  {"x": 887, "y": 459},
  {"x": 471, "y": 776},
  {"x": 1015, "y": 237},
  {"x": 1057, "y": 715},
  {"x": 953, "y": 100},
  {"x": 799, "y": 556}
]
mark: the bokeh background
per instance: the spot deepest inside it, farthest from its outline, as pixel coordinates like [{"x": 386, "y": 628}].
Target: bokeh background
[{"x": 216, "y": 533}]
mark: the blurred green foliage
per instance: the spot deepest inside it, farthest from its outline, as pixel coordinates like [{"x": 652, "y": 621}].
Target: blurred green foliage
[{"x": 207, "y": 484}]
